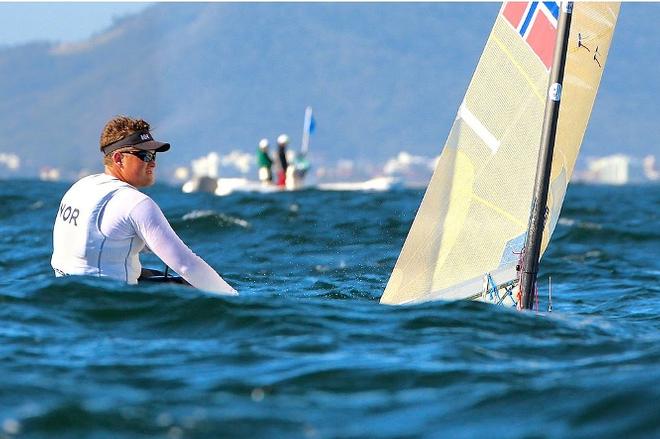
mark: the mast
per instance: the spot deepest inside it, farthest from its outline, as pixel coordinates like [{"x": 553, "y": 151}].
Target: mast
[{"x": 537, "y": 216}]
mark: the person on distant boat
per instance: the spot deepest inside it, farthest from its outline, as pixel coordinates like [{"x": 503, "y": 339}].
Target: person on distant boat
[
  {"x": 264, "y": 162},
  {"x": 282, "y": 142},
  {"x": 295, "y": 173},
  {"x": 104, "y": 221}
]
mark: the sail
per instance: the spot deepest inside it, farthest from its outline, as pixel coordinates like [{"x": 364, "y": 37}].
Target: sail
[
  {"x": 308, "y": 128},
  {"x": 474, "y": 215},
  {"x": 589, "y": 43}
]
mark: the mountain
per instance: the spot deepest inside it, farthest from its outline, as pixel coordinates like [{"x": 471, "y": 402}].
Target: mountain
[{"x": 219, "y": 76}]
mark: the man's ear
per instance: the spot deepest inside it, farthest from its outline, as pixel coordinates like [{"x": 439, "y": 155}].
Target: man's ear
[{"x": 117, "y": 158}]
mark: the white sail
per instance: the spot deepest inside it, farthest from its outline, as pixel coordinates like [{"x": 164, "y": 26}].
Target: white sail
[
  {"x": 473, "y": 218},
  {"x": 590, "y": 38},
  {"x": 308, "y": 128}
]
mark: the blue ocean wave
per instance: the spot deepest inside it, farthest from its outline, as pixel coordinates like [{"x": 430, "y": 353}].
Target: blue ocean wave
[{"x": 306, "y": 350}]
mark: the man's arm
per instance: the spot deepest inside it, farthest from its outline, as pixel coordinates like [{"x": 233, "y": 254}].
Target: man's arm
[{"x": 152, "y": 226}]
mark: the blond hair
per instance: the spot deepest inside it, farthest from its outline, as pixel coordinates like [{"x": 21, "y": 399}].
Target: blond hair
[{"x": 116, "y": 129}]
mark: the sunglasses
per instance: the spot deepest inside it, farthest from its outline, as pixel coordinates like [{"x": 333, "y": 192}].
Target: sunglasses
[{"x": 145, "y": 156}]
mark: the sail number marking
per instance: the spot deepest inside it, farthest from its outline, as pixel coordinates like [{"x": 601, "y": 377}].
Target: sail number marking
[{"x": 68, "y": 214}]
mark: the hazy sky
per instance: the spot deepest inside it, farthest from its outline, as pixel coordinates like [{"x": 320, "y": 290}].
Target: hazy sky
[{"x": 64, "y": 22}]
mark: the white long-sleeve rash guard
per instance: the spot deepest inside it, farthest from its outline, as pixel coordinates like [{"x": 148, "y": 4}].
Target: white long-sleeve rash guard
[{"x": 147, "y": 221}]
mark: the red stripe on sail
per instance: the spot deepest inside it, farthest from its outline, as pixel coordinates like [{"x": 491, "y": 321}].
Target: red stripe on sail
[
  {"x": 541, "y": 38},
  {"x": 513, "y": 12}
]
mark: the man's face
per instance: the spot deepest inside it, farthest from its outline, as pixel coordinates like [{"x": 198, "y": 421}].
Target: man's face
[{"x": 135, "y": 171}]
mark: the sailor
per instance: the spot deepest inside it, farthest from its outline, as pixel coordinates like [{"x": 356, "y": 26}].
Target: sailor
[
  {"x": 264, "y": 162},
  {"x": 104, "y": 221},
  {"x": 295, "y": 173},
  {"x": 282, "y": 142}
]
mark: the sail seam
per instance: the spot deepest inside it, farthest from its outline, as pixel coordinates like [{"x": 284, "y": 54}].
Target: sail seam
[{"x": 520, "y": 69}]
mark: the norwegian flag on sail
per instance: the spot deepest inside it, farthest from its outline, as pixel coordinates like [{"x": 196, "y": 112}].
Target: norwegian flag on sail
[{"x": 537, "y": 24}]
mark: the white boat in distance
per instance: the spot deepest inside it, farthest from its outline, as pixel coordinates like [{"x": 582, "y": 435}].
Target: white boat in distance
[
  {"x": 226, "y": 186},
  {"x": 377, "y": 184}
]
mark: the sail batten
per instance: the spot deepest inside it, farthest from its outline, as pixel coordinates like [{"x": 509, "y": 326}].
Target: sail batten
[
  {"x": 475, "y": 213},
  {"x": 479, "y": 129}
]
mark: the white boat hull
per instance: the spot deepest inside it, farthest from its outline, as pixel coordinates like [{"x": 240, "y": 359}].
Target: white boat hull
[
  {"x": 226, "y": 186},
  {"x": 379, "y": 184}
]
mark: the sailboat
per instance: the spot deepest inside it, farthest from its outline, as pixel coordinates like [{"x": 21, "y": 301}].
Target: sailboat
[
  {"x": 206, "y": 178},
  {"x": 299, "y": 166},
  {"x": 496, "y": 194}
]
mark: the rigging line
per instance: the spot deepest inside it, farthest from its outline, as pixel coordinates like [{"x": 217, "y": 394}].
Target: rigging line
[
  {"x": 536, "y": 298},
  {"x": 520, "y": 69}
]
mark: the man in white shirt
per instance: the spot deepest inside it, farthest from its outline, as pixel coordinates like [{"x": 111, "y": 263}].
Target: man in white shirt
[{"x": 104, "y": 221}]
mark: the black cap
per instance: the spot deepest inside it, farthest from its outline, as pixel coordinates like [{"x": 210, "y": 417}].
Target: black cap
[{"x": 139, "y": 140}]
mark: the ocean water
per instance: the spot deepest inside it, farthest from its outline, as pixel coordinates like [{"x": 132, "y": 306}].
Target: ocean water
[{"x": 306, "y": 350}]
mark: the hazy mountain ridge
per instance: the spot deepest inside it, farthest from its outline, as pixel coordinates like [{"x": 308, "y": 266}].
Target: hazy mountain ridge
[{"x": 381, "y": 78}]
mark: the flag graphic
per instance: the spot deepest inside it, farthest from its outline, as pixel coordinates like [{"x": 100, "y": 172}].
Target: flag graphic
[
  {"x": 536, "y": 22},
  {"x": 312, "y": 124}
]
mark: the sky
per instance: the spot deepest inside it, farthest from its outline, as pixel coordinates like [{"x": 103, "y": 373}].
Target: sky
[
  {"x": 24, "y": 22},
  {"x": 21, "y": 23}
]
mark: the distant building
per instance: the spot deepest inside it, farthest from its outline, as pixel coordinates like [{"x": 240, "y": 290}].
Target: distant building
[
  {"x": 49, "y": 174},
  {"x": 10, "y": 162},
  {"x": 206, "y": 166},
  {"x": 181, "y": 173},
  {"x": 649, "y": 168},
  {"x": 415, "y": 170},
  {"x": 213, "y": 165},
  {"x": 610, "y": 170},
  {"x": 620, "y": 169}
]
